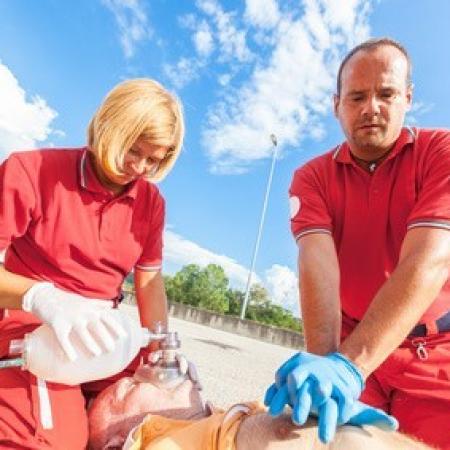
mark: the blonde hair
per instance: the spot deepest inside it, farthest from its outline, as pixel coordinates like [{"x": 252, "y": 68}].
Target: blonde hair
[{"x": 136, "y": 109}]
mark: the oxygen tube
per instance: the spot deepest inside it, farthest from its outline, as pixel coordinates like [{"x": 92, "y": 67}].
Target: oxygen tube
[
  {"x": 15, "y": 362},
  {"x": 15, "y": 349}
]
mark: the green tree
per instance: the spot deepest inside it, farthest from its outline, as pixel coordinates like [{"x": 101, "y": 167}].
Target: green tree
[
  {"x": 257, "y": 302},
  {"x": 261, "y": 309},
  {"x": 205, "y": 288},
  {"x": 235, "y": 299}
]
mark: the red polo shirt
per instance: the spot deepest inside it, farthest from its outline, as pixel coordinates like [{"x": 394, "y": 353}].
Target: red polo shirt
[
  {"x": 60, "y": 224},
  {"x": 368, "y": 214}
]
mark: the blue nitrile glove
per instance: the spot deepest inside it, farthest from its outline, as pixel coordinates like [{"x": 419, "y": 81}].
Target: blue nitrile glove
[
  {"x": 276, "y": 407},
  {"x": 327, "y": 385},
  {"x": 360, "y": 414},
  {"x": 302, "y": 406},
  {"x": 327, "y": 414},
  {"x": 367, "y": 415},
  {"x": 320, "y": 377}
]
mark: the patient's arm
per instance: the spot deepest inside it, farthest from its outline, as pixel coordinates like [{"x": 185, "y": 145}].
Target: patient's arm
[{"x": 262, "y": 432}]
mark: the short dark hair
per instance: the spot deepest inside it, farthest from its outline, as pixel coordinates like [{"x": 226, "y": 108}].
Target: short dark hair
[{"x": 373, "y": 44}]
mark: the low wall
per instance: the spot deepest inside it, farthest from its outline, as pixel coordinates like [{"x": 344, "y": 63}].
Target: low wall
[{"x": 232, "y": 324}]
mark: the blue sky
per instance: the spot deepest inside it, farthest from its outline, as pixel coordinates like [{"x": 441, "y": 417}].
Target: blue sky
[{"x": 243, "y": 70}]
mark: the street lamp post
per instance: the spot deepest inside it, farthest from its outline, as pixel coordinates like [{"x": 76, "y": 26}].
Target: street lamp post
[{"x": 273, "y": 138}]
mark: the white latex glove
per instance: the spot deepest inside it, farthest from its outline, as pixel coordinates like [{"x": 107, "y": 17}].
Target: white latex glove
[
  {"x": 67, "y": 312},
  {"x": 185, "y": 367}
]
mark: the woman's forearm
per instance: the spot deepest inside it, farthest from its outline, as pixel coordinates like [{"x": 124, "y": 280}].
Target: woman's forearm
[
  {"x": 151, "y": 298},
  {"x": 12, "y": 288}
]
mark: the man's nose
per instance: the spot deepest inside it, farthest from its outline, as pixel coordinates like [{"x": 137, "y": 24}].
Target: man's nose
[{"x": 371, "y": 106}]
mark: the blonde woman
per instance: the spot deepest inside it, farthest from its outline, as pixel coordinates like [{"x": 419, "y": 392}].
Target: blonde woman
[{"x": 75, "y": 222}]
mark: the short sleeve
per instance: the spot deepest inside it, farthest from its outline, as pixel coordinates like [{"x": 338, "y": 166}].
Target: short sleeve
[
  {"x": 432, "y": 208},
  {"x": 307, "y": 201},
  {"x": 17, "y": 200},
  {"x": 151, "y": 258}
]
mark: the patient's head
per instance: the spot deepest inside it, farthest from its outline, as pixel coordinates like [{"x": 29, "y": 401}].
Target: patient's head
[{"x": 124, "y": 404}]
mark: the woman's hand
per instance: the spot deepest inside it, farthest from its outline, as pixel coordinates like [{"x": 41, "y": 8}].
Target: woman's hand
[{"x": 69, "y": 313}]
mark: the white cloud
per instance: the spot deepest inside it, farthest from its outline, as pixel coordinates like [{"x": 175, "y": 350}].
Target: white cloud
[
  {"x": 181, "y": 251},
  {"x": 417, "y": 109},
  {"x": 289, "y": 88},
  {"x": 262, "y": 13},
  {"x": 183, "y": 72},
  {"x": 282, "y": 284},
  {"x": 224, "y": 79},
  {"x": 231, "y": 40},
  {"x": 216, "y": 32},
  {"x": 188, "y": 21},
  {"x": 24, "y": 120},
  {"x": 203, "y": 40},
  {"x": 132, "y": 22}
]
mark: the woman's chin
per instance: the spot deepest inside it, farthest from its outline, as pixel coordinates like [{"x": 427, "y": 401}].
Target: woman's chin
[{"x": 124, "y": 180}]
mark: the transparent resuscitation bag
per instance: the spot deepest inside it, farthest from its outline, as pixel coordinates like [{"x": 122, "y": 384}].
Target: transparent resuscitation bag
[{"x": 43, "y": 356}]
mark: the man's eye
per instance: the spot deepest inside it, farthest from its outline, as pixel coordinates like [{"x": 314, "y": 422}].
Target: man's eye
[
  {"x": 357, "y": 98},
  {"x": 387, "y": 94}
]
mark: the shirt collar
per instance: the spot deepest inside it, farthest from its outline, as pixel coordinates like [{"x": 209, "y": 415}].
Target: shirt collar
[
  {"x": 90, "y": 182},
  {"x": 407, "y": 136}
]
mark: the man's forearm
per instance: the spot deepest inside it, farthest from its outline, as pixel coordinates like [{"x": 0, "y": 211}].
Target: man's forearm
[
  {"x": 395, "y": 310},
  {"x": 319, "y": 292},
  {"x": 321, "y": 316}
]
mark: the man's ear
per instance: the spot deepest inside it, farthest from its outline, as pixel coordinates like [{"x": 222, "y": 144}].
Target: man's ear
[
  {"x": 336, "y": 100},
  {"x": 409, "y": 96}
]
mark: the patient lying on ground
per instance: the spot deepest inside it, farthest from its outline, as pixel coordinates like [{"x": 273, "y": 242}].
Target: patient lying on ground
[{"x": 136, "y": 414}]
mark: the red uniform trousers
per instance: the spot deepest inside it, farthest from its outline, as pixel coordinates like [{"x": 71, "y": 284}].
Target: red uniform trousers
[
  {"x": 24, "y": 401},
  {"x": 415, "y": 391}
]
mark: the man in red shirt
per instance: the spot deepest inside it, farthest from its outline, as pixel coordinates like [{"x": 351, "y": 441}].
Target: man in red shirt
[
  {"x": 75, "y": 222},
  {"x": 372, "y": 221}
]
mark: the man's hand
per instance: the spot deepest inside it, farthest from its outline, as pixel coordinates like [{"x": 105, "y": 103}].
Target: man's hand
[
  {"x": 69, "y": 313},
  {"x": 326, "y": 386},
  {"x": 314, "y": 379},
  {"x": 306, "y": 402}
]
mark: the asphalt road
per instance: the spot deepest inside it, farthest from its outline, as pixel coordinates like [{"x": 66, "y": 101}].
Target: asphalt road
[{"x": 231, "y": 368}]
